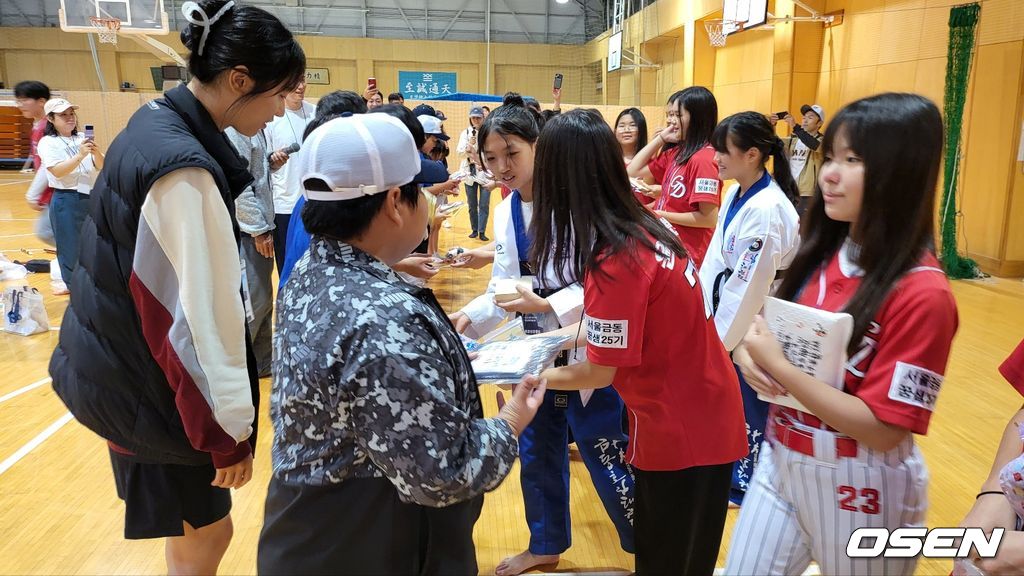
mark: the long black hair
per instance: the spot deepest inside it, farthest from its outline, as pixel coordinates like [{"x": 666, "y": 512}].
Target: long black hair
[
  {"x": 700, "y": 103},
  {"x": 512, "y": 118},
  {"x": 748, "y": 130},
  {"x": 584, "y": 208},
  {"x": 245, "y": 36},
  {"x": 641, "y": 125},
  {"x": 898, "y": 138}
]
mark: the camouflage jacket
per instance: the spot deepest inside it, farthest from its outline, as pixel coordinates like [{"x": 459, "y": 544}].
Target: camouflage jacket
[{"x": 370, "y": 380}]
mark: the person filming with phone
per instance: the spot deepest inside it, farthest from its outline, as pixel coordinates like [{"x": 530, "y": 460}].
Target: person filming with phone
[
  {"x": 803, "y": 148},
  {"x": 72, "y": 160},
  {"x": 479, "y": 197},
  {"x": 372, "y": 95}
]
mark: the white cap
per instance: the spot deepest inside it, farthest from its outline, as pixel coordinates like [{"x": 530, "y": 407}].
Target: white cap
[
  {"x": 357, "y": 156},
  {"x": 432, "y": 126},
  {"x": 57, "y": 105},
  {"x": 816, "y": 108}
]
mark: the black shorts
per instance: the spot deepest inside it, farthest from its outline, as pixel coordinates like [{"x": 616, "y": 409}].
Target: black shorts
[{"x": 159, "y": 497}]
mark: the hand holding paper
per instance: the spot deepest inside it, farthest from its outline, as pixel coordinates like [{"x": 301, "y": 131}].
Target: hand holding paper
[{"x": 812, "y": 340}]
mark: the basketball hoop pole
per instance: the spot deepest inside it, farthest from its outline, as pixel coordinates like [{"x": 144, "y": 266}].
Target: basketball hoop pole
[
  {"x": 158, "y": 48},
  {"x": 815, "y": 16}
]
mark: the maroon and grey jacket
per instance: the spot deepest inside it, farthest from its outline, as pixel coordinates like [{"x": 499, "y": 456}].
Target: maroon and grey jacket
[{"x": 154, "y": 355}]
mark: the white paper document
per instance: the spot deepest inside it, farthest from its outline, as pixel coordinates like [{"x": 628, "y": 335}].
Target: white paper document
[{"x": 813, "y": 340}]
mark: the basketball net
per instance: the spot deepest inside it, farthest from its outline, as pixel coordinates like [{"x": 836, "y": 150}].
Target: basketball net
[
  {"x": 106, "y": 29},
  {"x": 716, "y": 29}
]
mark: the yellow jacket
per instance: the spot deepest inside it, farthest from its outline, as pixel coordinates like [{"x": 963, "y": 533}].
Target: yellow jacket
[{"x": 807, "y": 179}]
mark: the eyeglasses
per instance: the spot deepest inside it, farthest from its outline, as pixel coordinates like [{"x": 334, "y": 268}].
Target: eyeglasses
[{"x": 627, "y": 128}]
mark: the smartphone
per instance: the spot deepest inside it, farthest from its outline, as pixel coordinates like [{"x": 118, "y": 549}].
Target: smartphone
[
  {"x": 781, "y": 115},
  {"x": 90, "y": 133},
  {"x": 558, "y": 81},
  {"x": 372, "y": 83}
]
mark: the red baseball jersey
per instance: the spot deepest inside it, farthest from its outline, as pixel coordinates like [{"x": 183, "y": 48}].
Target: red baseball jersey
[
  {"x": 1013, "y": 368},
  {"x": 38, "y": 131},
  {"x": 901, "y": 362},
  {"x": 683, "y": 188},
  {"x": 646, "y": 316}
]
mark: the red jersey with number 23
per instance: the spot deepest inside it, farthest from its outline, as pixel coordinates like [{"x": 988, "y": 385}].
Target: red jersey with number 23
[
  {"x": 646, "y": 316},
  {"x": 683, "y": 188},
  {"x": 900, "y": 365}
]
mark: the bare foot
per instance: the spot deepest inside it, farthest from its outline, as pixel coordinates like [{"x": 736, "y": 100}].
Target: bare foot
[{"x": 514, "y": 565}]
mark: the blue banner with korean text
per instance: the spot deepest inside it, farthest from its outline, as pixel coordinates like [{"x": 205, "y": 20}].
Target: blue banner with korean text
[{"x": 420, "y": 85}]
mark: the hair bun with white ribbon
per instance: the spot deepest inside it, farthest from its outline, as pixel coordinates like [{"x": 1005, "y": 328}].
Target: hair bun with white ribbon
[{"x": 196, "y": 15}]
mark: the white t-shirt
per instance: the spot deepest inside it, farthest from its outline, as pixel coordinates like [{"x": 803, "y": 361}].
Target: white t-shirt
[
  {"x": 800, "y": 155},
  {"x": 527, "y": 213},
  {"x": 282, "y": 132},
  {"x": 56, "y": 149}
]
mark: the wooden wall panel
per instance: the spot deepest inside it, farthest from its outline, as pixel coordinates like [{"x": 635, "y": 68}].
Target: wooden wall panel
[{"x": 991, "y": 135}]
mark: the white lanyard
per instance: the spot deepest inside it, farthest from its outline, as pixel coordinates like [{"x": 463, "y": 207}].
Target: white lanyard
[
  {"x": 73, "y": 149},
  {"x": 302, "y": 109}
]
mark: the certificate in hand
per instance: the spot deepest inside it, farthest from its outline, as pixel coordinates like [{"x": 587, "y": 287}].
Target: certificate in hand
[
  {"x": 506, "y": 362},
  {"x": 813, "y": 340}
]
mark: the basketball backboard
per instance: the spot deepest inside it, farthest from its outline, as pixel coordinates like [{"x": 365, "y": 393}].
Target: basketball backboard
[
  {"x": 136, "y": 16},
  {"x": 748, "y": 13}
]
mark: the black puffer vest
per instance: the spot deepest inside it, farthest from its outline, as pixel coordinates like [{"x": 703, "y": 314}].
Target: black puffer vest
[{"x": 102, "y": 368}]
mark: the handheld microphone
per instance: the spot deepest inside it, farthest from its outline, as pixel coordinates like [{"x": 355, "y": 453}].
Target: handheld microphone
[{"x": 288, "y": 151}]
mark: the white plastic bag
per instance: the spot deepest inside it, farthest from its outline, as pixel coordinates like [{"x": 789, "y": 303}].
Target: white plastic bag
[
  {"x": 11, "y": 271},
  {"x": 24, "y": 312}
]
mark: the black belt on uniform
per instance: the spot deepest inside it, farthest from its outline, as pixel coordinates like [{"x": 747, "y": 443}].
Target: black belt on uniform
[{"x": 722, "y": 278}]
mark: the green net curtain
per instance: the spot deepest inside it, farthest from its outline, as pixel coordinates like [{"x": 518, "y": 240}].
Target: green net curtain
[{"x": 963, "y": 21}]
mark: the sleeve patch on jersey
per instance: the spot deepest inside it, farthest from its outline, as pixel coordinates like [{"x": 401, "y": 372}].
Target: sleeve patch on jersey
[
  {"x": 915, "y": 386},
  {"x": 706, "y": 186},
  {"x": 745, "y": 269},
  {"x": 607, "y": 333}
]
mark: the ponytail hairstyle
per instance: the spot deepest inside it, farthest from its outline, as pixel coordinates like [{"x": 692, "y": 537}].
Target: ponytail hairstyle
[
  {"x": 702, "y": 107},
  {"x": 225, "y": 34},
  {"x": 512, "y": 118},
  {"x": 899, "y": 139},
  {"x": 748, "y": 130},
  {"x": 584, "y": 208}
]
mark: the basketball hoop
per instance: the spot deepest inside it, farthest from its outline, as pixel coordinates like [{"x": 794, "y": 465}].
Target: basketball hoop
[
  {"x": 106, "y": 29},
  {"x": 718, "y": 29}
]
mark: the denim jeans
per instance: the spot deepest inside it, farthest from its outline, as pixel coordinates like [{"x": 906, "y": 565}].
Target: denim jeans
[
  {"x": 479, "y": 207},
  {"x": 67, "y": 213}
]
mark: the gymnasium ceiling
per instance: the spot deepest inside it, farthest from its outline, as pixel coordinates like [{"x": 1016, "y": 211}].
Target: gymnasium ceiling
[{"x": 523, "y": 21}]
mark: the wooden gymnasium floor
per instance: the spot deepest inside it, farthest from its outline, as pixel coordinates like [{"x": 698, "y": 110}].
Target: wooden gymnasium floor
[{"x": 59, "y": 513}]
